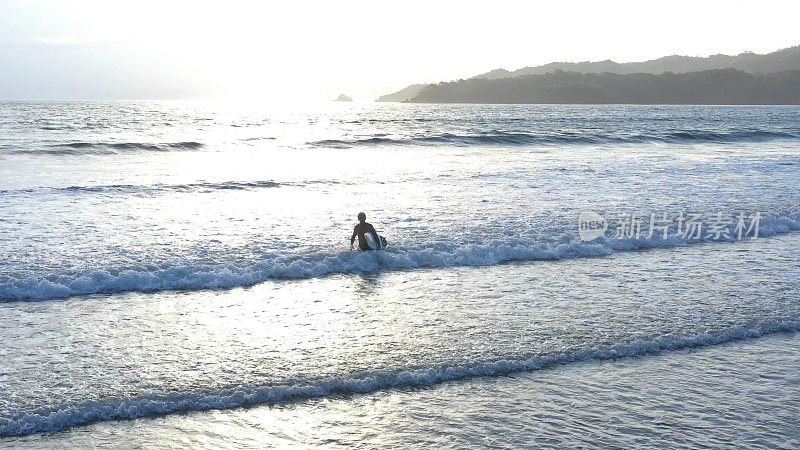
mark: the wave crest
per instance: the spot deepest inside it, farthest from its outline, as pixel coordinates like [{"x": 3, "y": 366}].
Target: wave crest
[
  {"x": 88, "y": 148},
  {"x": 195, "y": 277},
  {"x": 519, "y": 138},
  {"x": 202, "y": 186},
  {"x": 67, "y": 416}
]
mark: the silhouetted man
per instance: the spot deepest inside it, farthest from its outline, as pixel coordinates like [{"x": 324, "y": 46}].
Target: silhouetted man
[{"x": 360, "y": 229}]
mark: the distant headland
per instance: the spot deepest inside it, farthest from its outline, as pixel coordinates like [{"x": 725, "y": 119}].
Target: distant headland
[{"x": 748, "y": 78}]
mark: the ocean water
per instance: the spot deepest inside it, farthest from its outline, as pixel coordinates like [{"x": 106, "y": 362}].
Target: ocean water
[{"x": 176, "y": 274}]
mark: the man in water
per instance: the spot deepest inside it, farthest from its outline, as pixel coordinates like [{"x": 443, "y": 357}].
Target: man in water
[{"x": 362, "y": 228}]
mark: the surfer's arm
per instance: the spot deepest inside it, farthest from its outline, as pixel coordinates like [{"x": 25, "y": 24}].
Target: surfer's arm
[{"x": 353, "y": 237}]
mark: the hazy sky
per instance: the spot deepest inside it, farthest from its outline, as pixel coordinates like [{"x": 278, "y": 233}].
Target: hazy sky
[{"x": 316, "y": 50}]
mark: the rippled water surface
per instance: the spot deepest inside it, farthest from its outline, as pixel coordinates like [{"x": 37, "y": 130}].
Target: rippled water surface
[{"x": 162, "y": 258}]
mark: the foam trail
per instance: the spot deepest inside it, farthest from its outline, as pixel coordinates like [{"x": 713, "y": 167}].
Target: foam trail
[
  {"x": 195, "y": 277},
  {"x": 25, "y": 423}
]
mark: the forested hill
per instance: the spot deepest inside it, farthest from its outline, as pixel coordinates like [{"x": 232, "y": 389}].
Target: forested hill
[
  {"x": 777, "y": 61},
  {"x": 710, "y": 87},
  {"x": 774, "y": 62}
]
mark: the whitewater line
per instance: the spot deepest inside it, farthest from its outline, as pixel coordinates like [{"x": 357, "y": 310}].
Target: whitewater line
[
  {"x": 198, "y": 277},
  {"x": 25, "y": 423}
]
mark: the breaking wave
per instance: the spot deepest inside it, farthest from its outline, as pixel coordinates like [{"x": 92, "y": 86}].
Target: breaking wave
[
  {"x": 21, "y": 423},
  {"x": 195, "y": 277},
  {"x": 86, "y": 148},
  {"x": 202, "y": 186},
  {"x": 497, "y": 138}
]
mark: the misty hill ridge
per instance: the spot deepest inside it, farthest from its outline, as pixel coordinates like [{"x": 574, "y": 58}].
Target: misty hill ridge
[
  {"x": 778, "y": 61},
  {"x": 709, "y": 87}
]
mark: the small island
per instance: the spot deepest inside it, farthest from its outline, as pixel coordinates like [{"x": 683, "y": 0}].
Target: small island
[{"x": 343, "y": 98}]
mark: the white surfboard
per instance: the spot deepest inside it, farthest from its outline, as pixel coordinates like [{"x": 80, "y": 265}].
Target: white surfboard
[{"x": 372, "y": 243}]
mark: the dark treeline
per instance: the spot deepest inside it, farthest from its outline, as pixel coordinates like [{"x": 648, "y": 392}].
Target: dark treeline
[{"x": 710, "y": 87}]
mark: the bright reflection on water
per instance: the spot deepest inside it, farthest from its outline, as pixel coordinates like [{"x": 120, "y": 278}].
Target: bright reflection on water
[{"x": 486, "y": 321}]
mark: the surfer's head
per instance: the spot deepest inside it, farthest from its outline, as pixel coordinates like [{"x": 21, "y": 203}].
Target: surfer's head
[{"x": 362, "y": 217}]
